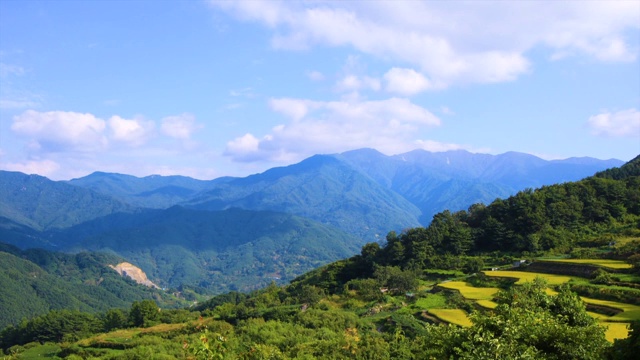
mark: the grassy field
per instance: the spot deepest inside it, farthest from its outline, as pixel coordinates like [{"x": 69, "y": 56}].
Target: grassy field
[
  {"x": 612, "y": 264},
  {"x": 470, "y": 292},
  {"x": 431, "y": 301},
  {"x": 453, "y": 316},
  {"x": 46, "y": 351}
]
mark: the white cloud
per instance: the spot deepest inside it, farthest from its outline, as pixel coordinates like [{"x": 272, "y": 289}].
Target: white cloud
[
  {"x": 355, "y": 83},
  {"x": 618, "y": 124},
  {"x": 293, "y": 108},
  {"x": 61, "y": 131},
  {"x": 334, "y": 126},
  {"x": 41, "y": 167},
  {"x": 133, "y": 132},
  {"x": 180, "y": 126},
  {"x": 406, "y": 81},
  {"x": 244, "y": 148},
  {"x": 435, "y": 146},
  {"x": 452, "y": 43}
]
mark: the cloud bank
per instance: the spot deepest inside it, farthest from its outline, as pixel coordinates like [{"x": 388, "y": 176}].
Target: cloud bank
[
  {"x": 449, "y": 43},
  {"x": 84, "y": 141},
  {"x": 334, "y": 126}
]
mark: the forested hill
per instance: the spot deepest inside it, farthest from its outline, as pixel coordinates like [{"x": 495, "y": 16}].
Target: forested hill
[
  {"x": 224, "y": 250},
  {"x": 575, "y": 217},
  {"x": 37, "y": 281}
]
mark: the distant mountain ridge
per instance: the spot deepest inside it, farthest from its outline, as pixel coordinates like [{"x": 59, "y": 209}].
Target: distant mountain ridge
[
  {"x": 152, "y": 191},
  {"x": 363, "y": 192},
  {"x": 454, "y": 180},
  {"x": 42, "y": 204},
  {"x": 239, "y": 233}
]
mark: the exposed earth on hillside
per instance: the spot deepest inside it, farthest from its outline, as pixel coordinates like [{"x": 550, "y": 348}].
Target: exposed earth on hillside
[{"x": 135, "y": 273}]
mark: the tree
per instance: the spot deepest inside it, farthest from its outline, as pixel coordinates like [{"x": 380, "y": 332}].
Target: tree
[
  {"x": 473, "y": 265},
  {"x": 114, "y": 319},
  {"x": 143, "y": 313}
]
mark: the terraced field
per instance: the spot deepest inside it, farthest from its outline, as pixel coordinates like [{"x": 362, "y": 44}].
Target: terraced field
[
  {"x": 470, "y": 292},
  {"x": 612, "y": 264},
  {"x": 615, "y": 330},
  {"x": 616, "y": 325},
  {"x": 453, "y": 316},
  {"x": 524, "y": 277},
  {"x": 487, "y": 304}
]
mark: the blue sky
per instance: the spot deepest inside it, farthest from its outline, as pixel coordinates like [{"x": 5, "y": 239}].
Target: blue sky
[{"x": 214, "y": 88}]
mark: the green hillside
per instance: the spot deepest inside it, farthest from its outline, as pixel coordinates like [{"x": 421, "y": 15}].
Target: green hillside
[
  {"x": 33, "y": 282},
  {"x": 220, "y": 250}
]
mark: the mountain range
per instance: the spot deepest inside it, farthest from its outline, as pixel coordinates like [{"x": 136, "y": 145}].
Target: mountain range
[{"x": 241, "y": 233}]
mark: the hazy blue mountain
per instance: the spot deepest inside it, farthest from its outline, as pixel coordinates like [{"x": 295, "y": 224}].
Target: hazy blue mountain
[
  {"x": 42, "y": 204},
  {"x": 455, "y": 180},
  {"x": 323, "y": 188},
  {"x": 357, "y": 191},
  {"x": 153, "y": 191}
]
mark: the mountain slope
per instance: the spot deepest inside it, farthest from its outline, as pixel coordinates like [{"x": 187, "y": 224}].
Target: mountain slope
[
  {"x": 43, "y": 204},
  {"x": 322, "y": 188},
  {"x": 151, "y": 191},
  {"x": 219, "y": 250},
  {"x": 454, "y": 180}
]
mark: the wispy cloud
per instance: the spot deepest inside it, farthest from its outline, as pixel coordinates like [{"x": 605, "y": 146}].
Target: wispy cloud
[{"x": 616, "y": 124}]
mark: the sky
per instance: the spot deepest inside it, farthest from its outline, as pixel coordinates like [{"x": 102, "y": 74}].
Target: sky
[{"x": 230, "y": 88}]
